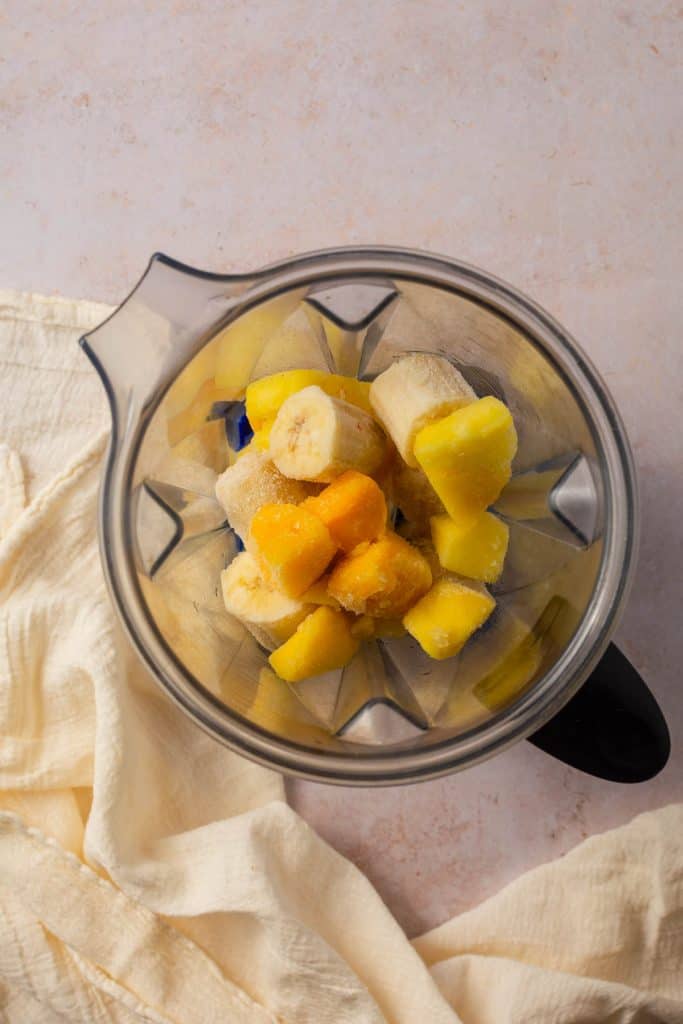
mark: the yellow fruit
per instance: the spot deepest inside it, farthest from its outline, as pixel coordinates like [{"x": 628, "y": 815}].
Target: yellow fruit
[
  {"x": 261, "y": 437},
  {"x": 467, "y": 456},
  {"x": 322, "y": 642},
  {"x": 475, "y": 549},
  {"x": 382, "y": 579},
  {"x": 293, "y": 546},
  {"x": 352, "y": 508},
  {"x": 350, "y": 389},
  {"x": 447, "y": 616},
  {"x": 251, "y": 482},
  {"x": 268, "y": 614},
  {"x": 265, "y": 396}
]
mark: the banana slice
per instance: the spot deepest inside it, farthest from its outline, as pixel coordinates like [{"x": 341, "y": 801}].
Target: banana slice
[
  {"x": 413, "y": 391},
  {"x": 251, "y": 482},
  {"x": 269, "y": 615},
  {"x": 317, "y": 437}
]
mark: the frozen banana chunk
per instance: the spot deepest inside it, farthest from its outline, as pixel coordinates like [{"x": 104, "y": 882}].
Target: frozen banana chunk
[
  {"x": 269, "y": 614},
  {"x": 414, "y": 391},
  {"x": 253, "y": 481},
  {"x": 317, "y": 437}
]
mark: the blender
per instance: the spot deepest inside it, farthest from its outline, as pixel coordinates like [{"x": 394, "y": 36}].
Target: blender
[{"x": 175, "y": 359}]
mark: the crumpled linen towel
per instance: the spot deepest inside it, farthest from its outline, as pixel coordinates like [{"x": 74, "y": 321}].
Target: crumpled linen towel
[{"x": 148, "y": 874}]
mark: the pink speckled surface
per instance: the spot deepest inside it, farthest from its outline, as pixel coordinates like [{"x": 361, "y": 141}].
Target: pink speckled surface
[{"x": 541, "y": 141}]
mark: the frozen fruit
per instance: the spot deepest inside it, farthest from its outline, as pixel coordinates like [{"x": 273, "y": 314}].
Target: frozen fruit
[
  {"x": 475, "y": 548},
  {"x": 292, "y": 545},
  {"x": 323, "y": 641},
  {"x": 264, "y": 397},
  {"x": 251, "y": 482},
  {"x": 352, "y": 508},
  {"x": 382, "y": 579},
  {"x": 415, "y": 390},
  {"x": 317, "y": 437},
  {"x": 467, "y": 456},
  {"x": 270, "y": 615},
  {"x": 447, "y": 616}
]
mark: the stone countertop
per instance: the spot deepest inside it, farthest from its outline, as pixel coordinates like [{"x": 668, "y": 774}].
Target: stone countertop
[{"x": 539, "y": 141}]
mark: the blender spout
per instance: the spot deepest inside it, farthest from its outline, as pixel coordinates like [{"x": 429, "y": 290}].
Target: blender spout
[{"x": 156, "y": 330}]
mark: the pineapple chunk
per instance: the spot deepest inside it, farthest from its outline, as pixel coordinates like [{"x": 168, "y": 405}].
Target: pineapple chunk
[
  {"x": 447, "y": 616},
  {"x": 322, "y": 642},
  {"x": 261, "y": 438},
  {"x": 265, "y": 396},
  {"x": 352, "y": 508},
  {"x": 475, "y": 549},
  {"x": 382, "y": 579},
  {"x": 467, "y": 456},
  {"x": 292, "y": 545}
]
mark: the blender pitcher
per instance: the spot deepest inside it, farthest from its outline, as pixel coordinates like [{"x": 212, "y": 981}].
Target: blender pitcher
[{"x": 175, "y": 359}]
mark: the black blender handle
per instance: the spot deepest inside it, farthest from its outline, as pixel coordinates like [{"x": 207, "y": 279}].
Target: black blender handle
[{"x": 612, "y": 728}]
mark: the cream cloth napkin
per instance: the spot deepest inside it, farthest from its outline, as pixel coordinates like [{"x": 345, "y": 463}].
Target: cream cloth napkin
[{"x": 148, "y": 874}]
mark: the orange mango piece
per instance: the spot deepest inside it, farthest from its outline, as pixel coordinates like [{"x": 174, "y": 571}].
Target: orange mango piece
[
  {"x": 382, "y": 579},
  {"x": 352, "y": 508},
  {"x": 292, "y": 545}
]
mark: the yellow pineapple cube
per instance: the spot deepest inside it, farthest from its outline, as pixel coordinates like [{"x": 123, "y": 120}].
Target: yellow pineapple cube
[
  {"x": 292, "y": 545},
  {"x": 467, "y": 456},
  {"x": 261, "y": 438},
  {"x": 446, "y": 617},
  {"x": 382, "y": 579},
  {"x": 475, "y": 549},
  {"x": 322, "y": 642},
  {"x": 265, "y": 396},
  {"x": 353, "y": 509}
]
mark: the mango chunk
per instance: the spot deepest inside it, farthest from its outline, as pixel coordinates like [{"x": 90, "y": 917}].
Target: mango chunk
[
  {"x": 265, "y": 396},
  {"x": 446, "y": 617},
  {"x": 476, "y": 549},
  {"x": 352, "y": 508},
  {"x": 382, "y": 579},
  {"x": 322, "y": 642},
  {"x": 467, "y": 456},
  {"x": 292, "y": 545}
]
